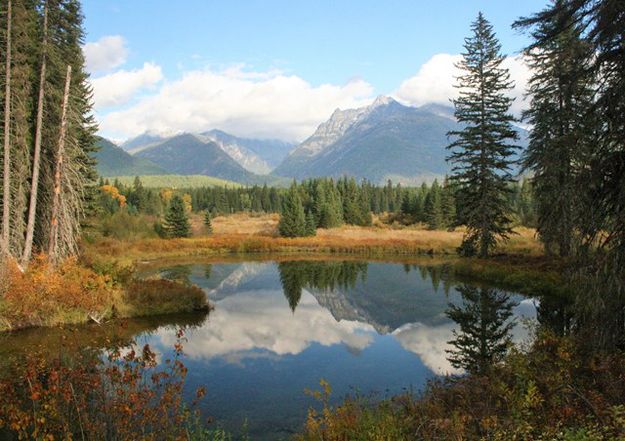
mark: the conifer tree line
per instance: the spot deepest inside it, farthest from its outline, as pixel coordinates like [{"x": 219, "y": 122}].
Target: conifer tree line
[
  {"x": 325, "y": 203},
  {"x": 576, "y": 153},
  {"x": 577, "y": 150},
  {"x": 48, "y": 173}
]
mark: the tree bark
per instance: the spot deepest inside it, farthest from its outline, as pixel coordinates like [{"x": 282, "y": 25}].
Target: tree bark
[
  {"x": 32, "y": 208},
  {"x": 58, "y": 170},
  {"x": 6, "y": 189}
]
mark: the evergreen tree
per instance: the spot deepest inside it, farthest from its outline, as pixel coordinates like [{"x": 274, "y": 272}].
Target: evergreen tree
[
  {"x": 176, "y": 219},
  {"x": 293, "y": 219},
  {"x": 311, "y": 224},
  {"x": 485, "y": 325},
  {"x": 448, "y": 205},
  {"x": 433, "y": 208},
  {"x": 331, "y": 212},
  {"x": 207, "y": 222},
  {"x": 481, "y": 151},
  {"x": 561, "y": 91}
]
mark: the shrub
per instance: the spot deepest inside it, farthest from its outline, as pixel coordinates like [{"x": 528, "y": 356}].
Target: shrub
[{"x": 122, "y": 396}]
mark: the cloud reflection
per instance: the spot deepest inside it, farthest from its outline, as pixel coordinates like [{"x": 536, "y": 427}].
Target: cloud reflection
[{"x": 262, "y": 320}]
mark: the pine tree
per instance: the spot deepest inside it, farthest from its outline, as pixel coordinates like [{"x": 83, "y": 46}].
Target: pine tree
[
  {"x": 311, "y": 224},
  {"x": 433, "y": 208},
  {"x": 176, "y": 219},
  {"x": 561, "y": 91},
  {"x": 34, "y": 189},
  {"x": 448, "y": 205},
  {"x": 481, "y": 151},
  {"x": 485, "y": 325},
  {"x": 331, "y": 211},
  {"x": 207, "y": 222},
  {"x": 293, "y": 219},
  {"x": 6, "y": 172}
]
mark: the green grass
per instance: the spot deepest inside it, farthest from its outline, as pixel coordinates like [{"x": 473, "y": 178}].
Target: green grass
[{"x": 176, "y": 181}]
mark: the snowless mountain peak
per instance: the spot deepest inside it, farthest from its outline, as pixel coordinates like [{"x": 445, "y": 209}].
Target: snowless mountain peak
[{"x": 382, "y": 100}]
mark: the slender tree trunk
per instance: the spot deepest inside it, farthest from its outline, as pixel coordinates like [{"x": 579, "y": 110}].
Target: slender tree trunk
[
  {"x": 6, "y": 189},
  {"x": 32, "y": 208},
  {"x": 56, "y": 198}
]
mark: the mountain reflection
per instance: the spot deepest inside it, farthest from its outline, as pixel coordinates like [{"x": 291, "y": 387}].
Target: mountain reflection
[
  {"x": 327, "y": 276},
  {"x": 282, "y": 309}
]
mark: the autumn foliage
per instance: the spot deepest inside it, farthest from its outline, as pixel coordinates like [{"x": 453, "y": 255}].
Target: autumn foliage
[
  {"x": 45, "y": 294},
  {"x": 553, "y": 391},
  {"x": 125, "y": 395},
  {"x": 71, "y": 292}
]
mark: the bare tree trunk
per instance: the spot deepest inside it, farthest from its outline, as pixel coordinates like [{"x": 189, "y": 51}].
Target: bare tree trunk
[
  {"x": 32, "y": 208},
  {"x": 56, "y": 197},
  {"x": 6, "y": 189}
]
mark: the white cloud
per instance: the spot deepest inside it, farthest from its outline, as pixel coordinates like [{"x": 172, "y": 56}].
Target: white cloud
[
  {"x": 119, "y": 87},
  {"x": 255, "y": 104},
  {"x": 107, "y": 53},
  {"x": 434, "y": 82}
]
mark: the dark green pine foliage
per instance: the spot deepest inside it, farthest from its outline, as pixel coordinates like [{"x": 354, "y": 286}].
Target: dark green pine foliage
[
  {"x": 561, "y": 90},
  {"x": 311, "y": 224},
  {"x": 328, "y": 209},
  {"x": 600, "y": 192},
  {"x": 448, "y": 205},
  {"x": 208, "y": 226},
  {"x": 481, "y": 152},
  {"x": 176, "y": 219},
  {"x": 292, "y": 219},
  {"x": 484, "y": 324},
  {"x": 433, "y": 208}
]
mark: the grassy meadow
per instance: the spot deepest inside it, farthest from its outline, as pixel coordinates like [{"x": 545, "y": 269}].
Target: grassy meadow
[{"x": 257, "y": 233}]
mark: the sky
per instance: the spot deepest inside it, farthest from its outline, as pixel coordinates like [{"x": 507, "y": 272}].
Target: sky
[{"x": 278, "y": 68}]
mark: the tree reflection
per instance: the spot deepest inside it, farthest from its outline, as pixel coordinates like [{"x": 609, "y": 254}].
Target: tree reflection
[
  {"x": 555, "y": 314},
  {"x": 296, "y": 275},
  {"x": 180, "y": 273},
  {"x": 485, "y": 325}
]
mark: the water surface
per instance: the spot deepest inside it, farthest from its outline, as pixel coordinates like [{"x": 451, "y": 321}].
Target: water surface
[{"x": 278, "y": 328}]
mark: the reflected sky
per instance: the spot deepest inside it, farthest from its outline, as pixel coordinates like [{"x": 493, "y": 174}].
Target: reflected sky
[{"x": 377, "y": 328}]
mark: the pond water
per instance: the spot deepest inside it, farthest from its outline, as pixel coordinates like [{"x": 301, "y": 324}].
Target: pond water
[{"x": 278, "y": 328}]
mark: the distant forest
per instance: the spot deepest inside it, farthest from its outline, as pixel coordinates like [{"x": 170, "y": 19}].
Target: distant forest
[{"x": 331, "y": 203}]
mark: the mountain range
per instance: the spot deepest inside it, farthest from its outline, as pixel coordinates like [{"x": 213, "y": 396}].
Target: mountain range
[
  {"x": 114, "y": 161},
  {"x": 385, "y": 140}
]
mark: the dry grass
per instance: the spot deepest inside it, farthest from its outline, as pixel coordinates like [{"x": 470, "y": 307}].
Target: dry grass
[
  {"x": 71, "y": 293},
  {"x": 244, "y": 233}
]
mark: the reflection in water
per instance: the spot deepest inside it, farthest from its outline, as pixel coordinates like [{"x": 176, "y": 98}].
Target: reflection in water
[
  {"x": 180, "y": 274},
  {"x": 326, "y": 276},
  {"x": 278, "y": 328},
  {"x": 484, "y": 330}
]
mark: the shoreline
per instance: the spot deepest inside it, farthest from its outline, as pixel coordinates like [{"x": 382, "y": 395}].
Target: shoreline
[{"x": 121, "y": 263}]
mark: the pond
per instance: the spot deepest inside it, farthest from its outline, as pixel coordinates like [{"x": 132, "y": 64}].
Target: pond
[{"x": 278, "y": 328}]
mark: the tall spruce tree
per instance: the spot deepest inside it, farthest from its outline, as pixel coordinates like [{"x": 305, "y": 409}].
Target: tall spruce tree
[
  {"x": 208, "y": 225},
  {"x": 481, "y": 152},
  {"x": 433, "y": 208},
  {"x": 176, "y": 219},
  {"x": 600, "y": 189},
  {"x": 448, "y": 205},
  {"x": 561, "y": 90},
  {"x": 6, "y": 150},
  {"x": 292, "y": 219}
]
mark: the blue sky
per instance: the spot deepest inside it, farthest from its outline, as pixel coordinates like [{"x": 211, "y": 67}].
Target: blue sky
[{"x": 322, "y": 42}]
